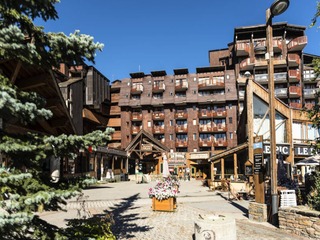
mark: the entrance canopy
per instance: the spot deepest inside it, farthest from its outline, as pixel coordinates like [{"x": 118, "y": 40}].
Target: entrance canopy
[
  {"x": 228, "y": 152},
  {"x": 145, "y": 144}
]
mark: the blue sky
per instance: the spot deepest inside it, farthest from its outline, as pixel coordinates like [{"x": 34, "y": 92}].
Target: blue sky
[{"x": 148, "y": 35}]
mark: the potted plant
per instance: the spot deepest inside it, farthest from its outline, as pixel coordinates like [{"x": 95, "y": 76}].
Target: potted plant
[{"x": 164, "y": 194}]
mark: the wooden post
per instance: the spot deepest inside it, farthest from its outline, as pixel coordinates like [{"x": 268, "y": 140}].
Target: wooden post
[
  {"x": 235, "y": 166},
  {"x": 212, "y": 171},
  {"x": 222, "y": 168}
]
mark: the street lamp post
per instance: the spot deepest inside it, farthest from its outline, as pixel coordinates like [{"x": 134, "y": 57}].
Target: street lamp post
[{"x": 278, "y": 7}]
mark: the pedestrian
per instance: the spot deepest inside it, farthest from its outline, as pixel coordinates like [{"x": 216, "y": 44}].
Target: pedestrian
[{"x": 187, "y": 174}]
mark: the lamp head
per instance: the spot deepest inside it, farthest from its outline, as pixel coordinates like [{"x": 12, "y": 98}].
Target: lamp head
[
  {"x": 247, "y": 74},
  {"x": 279, "y": 6}
]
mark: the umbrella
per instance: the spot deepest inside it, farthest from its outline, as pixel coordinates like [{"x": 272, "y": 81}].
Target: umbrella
[
  {"x": 165, "y": 170},
  {"x": 309, "y": 161}
]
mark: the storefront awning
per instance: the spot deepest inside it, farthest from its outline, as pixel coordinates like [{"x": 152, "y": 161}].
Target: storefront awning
[{"x": 228, "y": 152}]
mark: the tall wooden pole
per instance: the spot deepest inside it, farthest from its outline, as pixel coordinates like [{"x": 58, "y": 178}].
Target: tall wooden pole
[{"x": 273, "y": 160}]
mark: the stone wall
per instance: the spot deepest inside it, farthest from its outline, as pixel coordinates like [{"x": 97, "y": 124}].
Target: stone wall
[
  {"x": 258, "y": 212},
  {"x": 300, "y": 220}
]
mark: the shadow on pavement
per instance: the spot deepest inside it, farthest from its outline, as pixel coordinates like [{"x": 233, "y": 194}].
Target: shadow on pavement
[
  {"x": 125, "y": 224},
  {"x": 235, "y": 204}
]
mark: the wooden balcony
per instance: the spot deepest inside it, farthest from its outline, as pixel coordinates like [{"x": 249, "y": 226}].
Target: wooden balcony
[
  {"x": 221, "y": 142},
  {"x": 116, "y": 135},
  {"x": 242, "y": 48},
  {"x": 294, "y": 75},
  {"x": 158, "y": 86},
  {"x": 158, "y": 129},
  {"x": 135, "y": 129},
  {"x": 181, "y": 129},
  {"x": 136, "y": 116},
  {"x": 205, "y": 128},
  {"x": 295, "y": 105},
  {"x": 181, "y": 143},
  {"x": 115, "y": 110},
  {"x": 204, "y": 113},
  {"x": 295, "y": 91},
  {"x": 277, "y": 45},
  {"x": 294, "y": 60},
  {"x": 115, "y": 97},
  {"x": 297, "y": 44},
  {"x": 220, "y": 127},
  {"x": 211, "y": 83},
  {"x": 246, "y": 64},
  {"x": 260, "y": 45},
  {"x": 136, "y": 89},
  {"x": 181, "y": 85},
  {"x": 260, "y": 62},
  {"x": 220, "y": 113},
  {"x": 181, "y": 115},
  {"x": 205, "y": 143},
  {"x": 158, "y": 116}
]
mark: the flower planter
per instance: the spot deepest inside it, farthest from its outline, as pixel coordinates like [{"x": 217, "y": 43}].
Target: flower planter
[{"x": 167, "y": 205}]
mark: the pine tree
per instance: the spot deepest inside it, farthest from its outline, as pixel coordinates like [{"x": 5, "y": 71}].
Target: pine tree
[{"x": 24, "y": 187}]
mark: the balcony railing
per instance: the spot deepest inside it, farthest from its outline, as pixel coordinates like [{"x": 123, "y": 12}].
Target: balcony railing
[
  {"x": 295, "y": 91},
  {"x": 181, "y": 85},
  {"x": 116, "y": 135},
  {"x": 181, "y": 142},
  {"x": 297, "y": 44},
  {"x": 181, "y": 128},
  {"x": 158, "y": 129},
  {"x": 181, "y": 114},
  {"x": 204, "y": 113},
  {"x": 294, "y": 75},
  {"x": 293, "y": 60},
  {"x": 158, "y": 116},
  {"x": 277, "y": 45},
  {"x": 205, "y": 128},
  {"x": 220, "y": 113},
  {"x": 261, "y": 78},
  {"x": 281, "y": 92},
  {"x": 242, "y": 48},
  {"x": 280, "y": 77},
  {"x": 158, "y": 86},
  {"x": 135, "y": 129},
  {"x": 309, "y": 105},
  {"x": 309, "y": 93},
  {"x": 136, "y": 116},
  {"x": 220, "y": 127},
  {"x": 246, "y": 64},
  {"x": 205, "y": 142},
  {"x": 137, "y": 89},
  {"x": 208, "y": 83},
  {"x": 220, "y": 142}
]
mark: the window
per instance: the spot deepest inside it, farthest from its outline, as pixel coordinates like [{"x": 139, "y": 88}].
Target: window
[
  {"x": 230, "y": 120},
  {"x": 171, "y": 137},
  {"x": 149, "y": 123},
  {"x": 157, "y": 95},
  {"x": 171, "y": 122},
  {"x": 180, "y": 94},
  {"x": 194, "y": 122},
  {"x": 135, "y": 97},
  {"x": 194, "y": 136}
]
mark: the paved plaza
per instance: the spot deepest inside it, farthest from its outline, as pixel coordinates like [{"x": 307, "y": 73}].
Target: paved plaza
[{"x": 130, "y": 206}]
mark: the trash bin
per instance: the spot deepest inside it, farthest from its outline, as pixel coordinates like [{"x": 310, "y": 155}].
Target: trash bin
[{"x": 215, "y": 227}]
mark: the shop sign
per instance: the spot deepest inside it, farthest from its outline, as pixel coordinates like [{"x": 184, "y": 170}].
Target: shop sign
[
  {"x": 284, "y": 149},
  {"x": 199, "y": 155},
  {"x": 146, "y": 147},
  {"x": 257, "y": 163},
  {"x": 303, "y": 150}
]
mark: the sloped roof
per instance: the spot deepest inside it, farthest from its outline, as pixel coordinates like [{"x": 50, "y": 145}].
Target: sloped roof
[{"x": 144, "y": 143}]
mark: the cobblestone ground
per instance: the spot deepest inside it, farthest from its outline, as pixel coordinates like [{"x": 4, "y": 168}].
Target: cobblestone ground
[{"x": 138, "y": 222}]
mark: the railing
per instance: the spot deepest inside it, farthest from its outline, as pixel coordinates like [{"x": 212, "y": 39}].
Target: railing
[
  {"x": 158, "y": 115},
  {"x": 158, "y": 129},
  {"x": 242, "y": 48},
  {"x": 181, "y": 128},
  {"x": 181, "y": 85},
  {"x": 205, "y": 113},
  {"x": 136, "y": 116},
  {"x": 205, "y": 142},
  {"x": 158, "y": 86},
  {"x": 137, "y": 88},
  {"x": 261, "y": 78},
  {"x": 281, "y": 92},
  {"x": 205, "y": 128},
  {"x": 246, "y": 64},
  {"x": 208, "y": 82},
  {"x": 296, "y": 105},
  {"x": 297, "y": 43},
  {"x": 181, "y": 143},
  {"x": 241, "y": 94},
  {"x": 135, "y": 129},
  {"x": 295, "y": 90},
  {"x": 294, "y": 74},
  {"x": 220, "y": 127},
  {"x": 220, "y": 113},
  {"x": 181, "y": 114},
  {"x": 220, "y": 142},
  {"x": 310, "y": 92},
  {"x": 293, "y": 59},
  {"x": 281, "y": 76}
]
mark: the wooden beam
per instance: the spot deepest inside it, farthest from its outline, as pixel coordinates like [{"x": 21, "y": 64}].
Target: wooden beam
[
  {"x": 33, "y": 82},
  {"x": 222, "y": 168},
  {"x": 16, "y": 72},
  {"x": 235, "y": 166}
]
